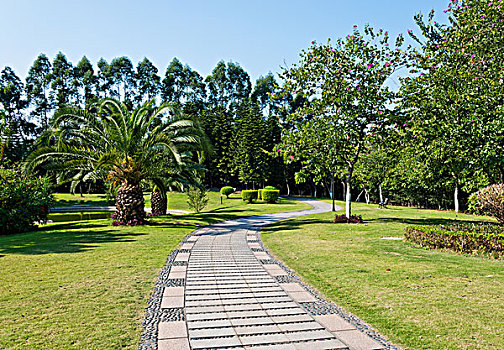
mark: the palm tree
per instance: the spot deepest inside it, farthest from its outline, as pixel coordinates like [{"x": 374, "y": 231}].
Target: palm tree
[{"x": 125, "y": 147}]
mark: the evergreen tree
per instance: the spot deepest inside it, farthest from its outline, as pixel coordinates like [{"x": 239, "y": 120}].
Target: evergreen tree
[
  {"x": 249, "y": 155},
  {"x": 85, "y": 81},
  {"x": 63, "y": 81},
  {"x": 122, "y": 75},
  {"x": 103, "y": 80},
  {"x": 148, "y": 81},
  {"x": 40, "y": 96}
]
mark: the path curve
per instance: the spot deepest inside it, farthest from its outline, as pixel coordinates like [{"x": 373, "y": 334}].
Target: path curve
[{"x": 222, "y": 290}]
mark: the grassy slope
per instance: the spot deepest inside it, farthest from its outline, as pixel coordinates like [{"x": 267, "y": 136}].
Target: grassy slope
[
  {"x": 428, "y": 299},
  {"x": 85, "y": 285}
]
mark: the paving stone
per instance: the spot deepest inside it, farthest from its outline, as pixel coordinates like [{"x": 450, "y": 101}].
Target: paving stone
[
  {"x": 211, "y": 332},
  {"x": 173, "y": 292},
  {"x": 250, "y": 330},
  {"x": 292, "y": 287},
  {"x": 300, "y": 326},
  {"x": 263, "y": 339},
  {"x": 182, "y": 257},
  {"x": 286, "y": 311},
  {"x": 310, "y": 335},
  {"x": 272, "y": 347},
  {"x": 172, "y": 330},
  {"x": 302, "y": 297},
  {"x": 334, "y": 323},
  {"x": 176, "y": 275},
  {"x": 178, "y": 269},
  {"x": 172, "y": 344},
  {"x": 172, "y": 302},
  {"x": 215, "y": 343},
  {"x": 206, "y": 316},
  {"x": 187, "y": 246},
  {"x": 258, "y": 321},
  {"x": 321, "y": 345},
  {"x": 208, "y": 324},
  {"x": 357, "y": 340}
]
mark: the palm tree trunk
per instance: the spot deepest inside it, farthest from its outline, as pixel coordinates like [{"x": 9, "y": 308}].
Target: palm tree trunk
[
  {"x": 158, "y": 203},
  {"x": 130, "y": 204}
]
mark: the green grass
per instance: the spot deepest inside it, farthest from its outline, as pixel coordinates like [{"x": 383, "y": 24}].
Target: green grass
[
  {"x": 68, "y": 200},
  {"x": 428, "y": 300},
  {"x": 85, "y": 285}
]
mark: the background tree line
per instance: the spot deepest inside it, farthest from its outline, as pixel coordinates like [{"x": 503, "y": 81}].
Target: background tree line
[
  {"x": 333, "y": 126},
  {"x": 242, "y": 122}
]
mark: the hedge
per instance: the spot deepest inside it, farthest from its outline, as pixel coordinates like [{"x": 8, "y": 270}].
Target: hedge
[
  {"x": 249, "y": 195},
  {"x": 464, "y": 238},
  {"x": 226, "y": 191},
  {"x": 269, "y": 196}
]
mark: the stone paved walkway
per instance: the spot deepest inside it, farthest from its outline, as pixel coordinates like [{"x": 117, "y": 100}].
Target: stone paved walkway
[{"x": 224, "y": 291}]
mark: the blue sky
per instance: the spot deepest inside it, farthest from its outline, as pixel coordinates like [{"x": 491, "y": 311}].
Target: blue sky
[{"x": 260, "y": 35}]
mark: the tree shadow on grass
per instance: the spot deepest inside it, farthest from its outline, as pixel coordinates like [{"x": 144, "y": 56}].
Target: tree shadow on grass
[
  {"x": 290, "y": 225},
  {"x": 421, "y": 221},
  {"x": 65, "y": 238}
]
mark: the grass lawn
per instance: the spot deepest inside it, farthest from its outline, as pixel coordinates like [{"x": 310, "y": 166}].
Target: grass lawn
[
  {"x": 428, "y": 300},
  {"x": 85, "y": 285}
]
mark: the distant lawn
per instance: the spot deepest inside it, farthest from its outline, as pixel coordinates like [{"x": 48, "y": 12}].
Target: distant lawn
[
  {"x": 428, "y": 300},
  {"x": 85, "y": 285},
  {"x": 176, "y": 200}
]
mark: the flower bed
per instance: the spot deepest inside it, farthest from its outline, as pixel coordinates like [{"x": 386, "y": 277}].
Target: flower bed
[{"x": 462, "y": 238}]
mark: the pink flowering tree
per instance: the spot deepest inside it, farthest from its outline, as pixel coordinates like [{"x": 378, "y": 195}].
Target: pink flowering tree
[
  {"x": 348, "y": 101},
  {"x": 454, "y": 99}
]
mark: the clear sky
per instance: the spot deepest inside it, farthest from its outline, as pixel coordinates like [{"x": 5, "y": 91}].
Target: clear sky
[{"x": 260, "y": 35}]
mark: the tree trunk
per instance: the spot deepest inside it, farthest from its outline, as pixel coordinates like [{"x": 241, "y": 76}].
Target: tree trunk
[
  {"x": 130, "y": 204},
  {"x": 158, "y": 203},
  {"x": 332, "y": 193},
  {"x": 344, "y": 190},
  {"x": 366, "y": 195},
  {"x": 455, "y": 198},
  {"x": 381, "y": 194},
  {"x": 348, "y": 208}
]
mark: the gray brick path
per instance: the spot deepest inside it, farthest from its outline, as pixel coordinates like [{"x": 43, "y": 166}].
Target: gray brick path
[{"x": 233, "y": 301}]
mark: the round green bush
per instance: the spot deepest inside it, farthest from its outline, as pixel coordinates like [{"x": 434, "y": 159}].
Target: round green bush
[
  {"x": 226, "y": 191},
  {"x": 249, "y": 195},
  {"x": 270, "y": 196},
  {"x": 24, "y": 200}
]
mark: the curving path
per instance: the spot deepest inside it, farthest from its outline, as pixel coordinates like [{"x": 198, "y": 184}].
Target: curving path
[{"x": 222, "y": 290}]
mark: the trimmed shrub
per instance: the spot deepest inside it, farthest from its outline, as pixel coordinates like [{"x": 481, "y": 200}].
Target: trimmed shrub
[
  {"x": 270, "y": 188},
  {"x": 249, "y": 195},
  {"x": 270, "y": 196},
  {"x": 354, "y": 219},
  {"x": 488, "y": 201},
  {"x": 462, "y": 238},
  {"x": 226, "y": 191},
  {"x": 24, "y": 201}
]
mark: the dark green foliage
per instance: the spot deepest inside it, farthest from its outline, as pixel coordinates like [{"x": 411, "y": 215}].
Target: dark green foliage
[
  {"x": 63, "y": 81},
  {"x": 249, "y": 195},
  {"x": 249, "y": 155},
  {"x": 226, "y": 191},
  {"x": 38, "y": 84},
  {"x": 462, "y": 238},
  {"x": 489, "y": 201},
  {"x": 197, "y": 199},
  {"x": 148, "y": 81},
  {"x": 269, "y": 196},
  {"x": 24, "y": 200},
  {"x": 85, "y": 81}
]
